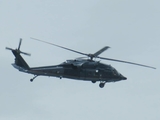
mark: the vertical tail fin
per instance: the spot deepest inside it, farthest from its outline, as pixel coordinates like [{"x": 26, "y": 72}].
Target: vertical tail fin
[{"x": 19, "y": 61}]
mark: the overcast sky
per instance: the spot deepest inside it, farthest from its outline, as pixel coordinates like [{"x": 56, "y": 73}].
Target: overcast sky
[{"x": 130, "y": 27}]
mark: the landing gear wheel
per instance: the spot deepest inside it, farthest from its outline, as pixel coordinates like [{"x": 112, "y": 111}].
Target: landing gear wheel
[
  {"x": 93, "y": 81},
  {"x": 101, "y": 85},
  {"x": 31, "y": 80}
]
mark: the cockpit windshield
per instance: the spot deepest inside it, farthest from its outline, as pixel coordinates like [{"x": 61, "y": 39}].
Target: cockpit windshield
[{"x": 115, "y": 72}]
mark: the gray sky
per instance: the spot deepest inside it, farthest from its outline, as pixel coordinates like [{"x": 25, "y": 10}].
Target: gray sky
[{"x": 130, "y": 27}]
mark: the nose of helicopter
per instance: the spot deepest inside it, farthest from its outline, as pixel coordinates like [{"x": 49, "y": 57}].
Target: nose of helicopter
[{"x": 122, "y": 77}]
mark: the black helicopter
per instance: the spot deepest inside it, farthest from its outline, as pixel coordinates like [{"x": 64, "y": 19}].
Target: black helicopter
[{"x": 78, "y": 69}]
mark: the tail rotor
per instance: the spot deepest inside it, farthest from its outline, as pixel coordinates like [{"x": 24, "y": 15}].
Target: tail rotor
[{"x": 18, "y": 50}]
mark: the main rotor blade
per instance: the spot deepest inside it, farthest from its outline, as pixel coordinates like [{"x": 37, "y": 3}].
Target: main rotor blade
[
  {"x": 126, "y": 62},
  {"x": 20, "y": 41},
  {"x": 60, "y": 46},
  {"x": 101, "y": 51}
]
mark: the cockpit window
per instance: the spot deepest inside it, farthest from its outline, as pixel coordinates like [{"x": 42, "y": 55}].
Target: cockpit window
[{"x": 115, "y": 72}]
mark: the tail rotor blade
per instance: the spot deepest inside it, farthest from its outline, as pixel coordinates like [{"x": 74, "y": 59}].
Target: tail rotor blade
[
  {"x": 25, "y": 53},
  {"x": 7, "y": 48},
  {"x": 20, "y": 42}
]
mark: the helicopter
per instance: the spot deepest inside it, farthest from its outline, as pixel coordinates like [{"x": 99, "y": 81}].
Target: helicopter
[{"x": 78, "y": 69}]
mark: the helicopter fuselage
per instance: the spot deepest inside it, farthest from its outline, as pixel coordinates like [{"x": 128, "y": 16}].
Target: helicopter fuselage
[{"x": 87, "y": 70}]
